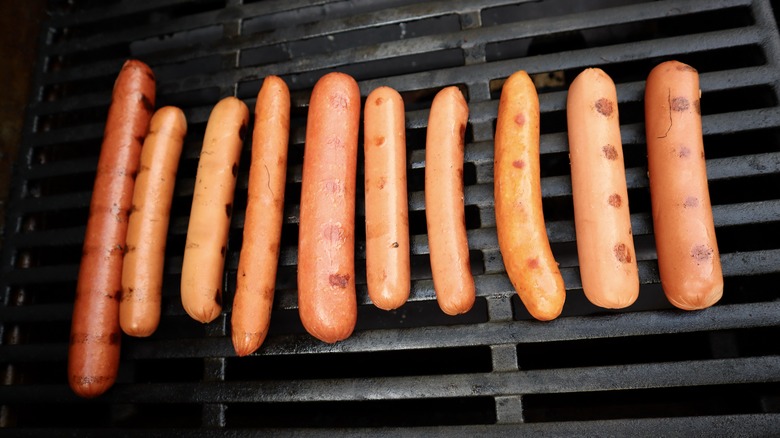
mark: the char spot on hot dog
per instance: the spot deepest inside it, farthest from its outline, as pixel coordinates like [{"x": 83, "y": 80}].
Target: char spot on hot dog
[
  {"x": 242, "y": 131},
  {"x": 229, "y": 210},
  {"x": 691, "y": 202},
  {"x": 518, "y": 164},
  {"x": 680, "y": 104},
  {"x": 533, "y": 263},
  {"x": 382, "y": 182},
  {"x": 338, "y": 280},
  {"x": 114, "y": 338},
  {"x": 147, "y": 103},
  {"x": 615, "y": 200},
  {"x": 610, "y": 153},
  {"x": 622, "y": 254},
  {"x": 379, "y": 101},
  {"x": 234, "y": 169},
  {"x": 520, "y": 119},
  {"x": 222, "y": 251},
  {"x": 684, "y": 152},
  {"x": 701, "y": 253},
  {"x": 686, "y": 67},
  {"x": 604, "y": 107},
  {"x": 379, "y": 141}
]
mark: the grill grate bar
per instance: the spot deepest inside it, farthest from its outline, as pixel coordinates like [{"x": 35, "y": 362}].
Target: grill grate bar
[
  {"x": 726, "y": 317},
  {"x": 476, "y": 73},
  {"x": 751, "y": 425},
  {"x": 531, "y": 28},
  {"x": 625, "y": 377},
  {"x": 180, "y": 24}
]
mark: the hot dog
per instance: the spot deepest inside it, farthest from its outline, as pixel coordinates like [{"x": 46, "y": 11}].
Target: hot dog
[
  {"x": 212, "y": 208},
  {"x": 93, "y": 355},
  {"x": 259, "y": 256},
  {"x": 602, "y": 221},
  {"x": 142, "y": 272},
  {"x": 444, "y": 202},
  {"x": 688, "y": 257},
  {"x": 522, "y": 236},
  {"x": 327, "y": 300},
  {"x": 387, "y": 216}
]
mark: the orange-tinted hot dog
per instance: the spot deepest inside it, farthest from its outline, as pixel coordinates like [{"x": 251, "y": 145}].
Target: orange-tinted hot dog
[
  {"x": 142, "y": 272},
  {"x": 257, "y": 263},
  {"x": 444, "y": 202},
  {"x": 688, "y": 257},
  {"x": 387, "y": 219},
  {"x": 522, "y": 236},
  {"x": 327, "y": 300},
  {"x": 93, "y": 354},
  {"x": 212, "y": 208},
  {"x": 605, "y": 244}
]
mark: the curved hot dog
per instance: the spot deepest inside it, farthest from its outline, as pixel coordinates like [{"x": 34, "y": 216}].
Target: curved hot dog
[
  {"x": 387, "y": 220},
  {"x": 688, "y": 257},
  {"x": 601, "y": 217},
  {"x": 444, "y": 202},
  {"x": 212, "y": 208},
  {"x": 142, "y": 272},
  {"x": 93, "y": 354},
  {"x": 327, "y": 300},
  {"x": 259, "y": 256},
  {"x": 522, "y": 236}
]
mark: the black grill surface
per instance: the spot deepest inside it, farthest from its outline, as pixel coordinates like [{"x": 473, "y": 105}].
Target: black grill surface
[{"x": 647, "y": 370}]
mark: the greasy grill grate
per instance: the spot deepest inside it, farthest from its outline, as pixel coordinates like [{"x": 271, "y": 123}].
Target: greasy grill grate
[{"x": 649, "y": 369}]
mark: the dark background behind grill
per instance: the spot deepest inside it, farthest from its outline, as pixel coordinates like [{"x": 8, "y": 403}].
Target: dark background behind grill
[{"x": 646, "y": 370}]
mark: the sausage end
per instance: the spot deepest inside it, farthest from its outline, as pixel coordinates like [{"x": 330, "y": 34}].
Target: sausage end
[{"x": 247, "y": 343}]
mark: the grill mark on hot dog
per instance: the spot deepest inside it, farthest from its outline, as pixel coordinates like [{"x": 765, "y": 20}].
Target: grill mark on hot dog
[
  {"x": 679, "y": 104},
  {"x": 622, "y": 254},
  {"x": 610, "y": 152},
  {"x": 334, "y": 233},
  {"x": 339, "y": 280},
  {"x": 339, "y": 101},
  {"x": 604, "y": 107},
  {"x": 691, "y": 202},
  {"x": 701, "y": 253}
]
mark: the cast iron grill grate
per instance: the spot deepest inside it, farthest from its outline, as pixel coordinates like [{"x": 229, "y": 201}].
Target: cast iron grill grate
[{"x": 646, "y": 370}]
